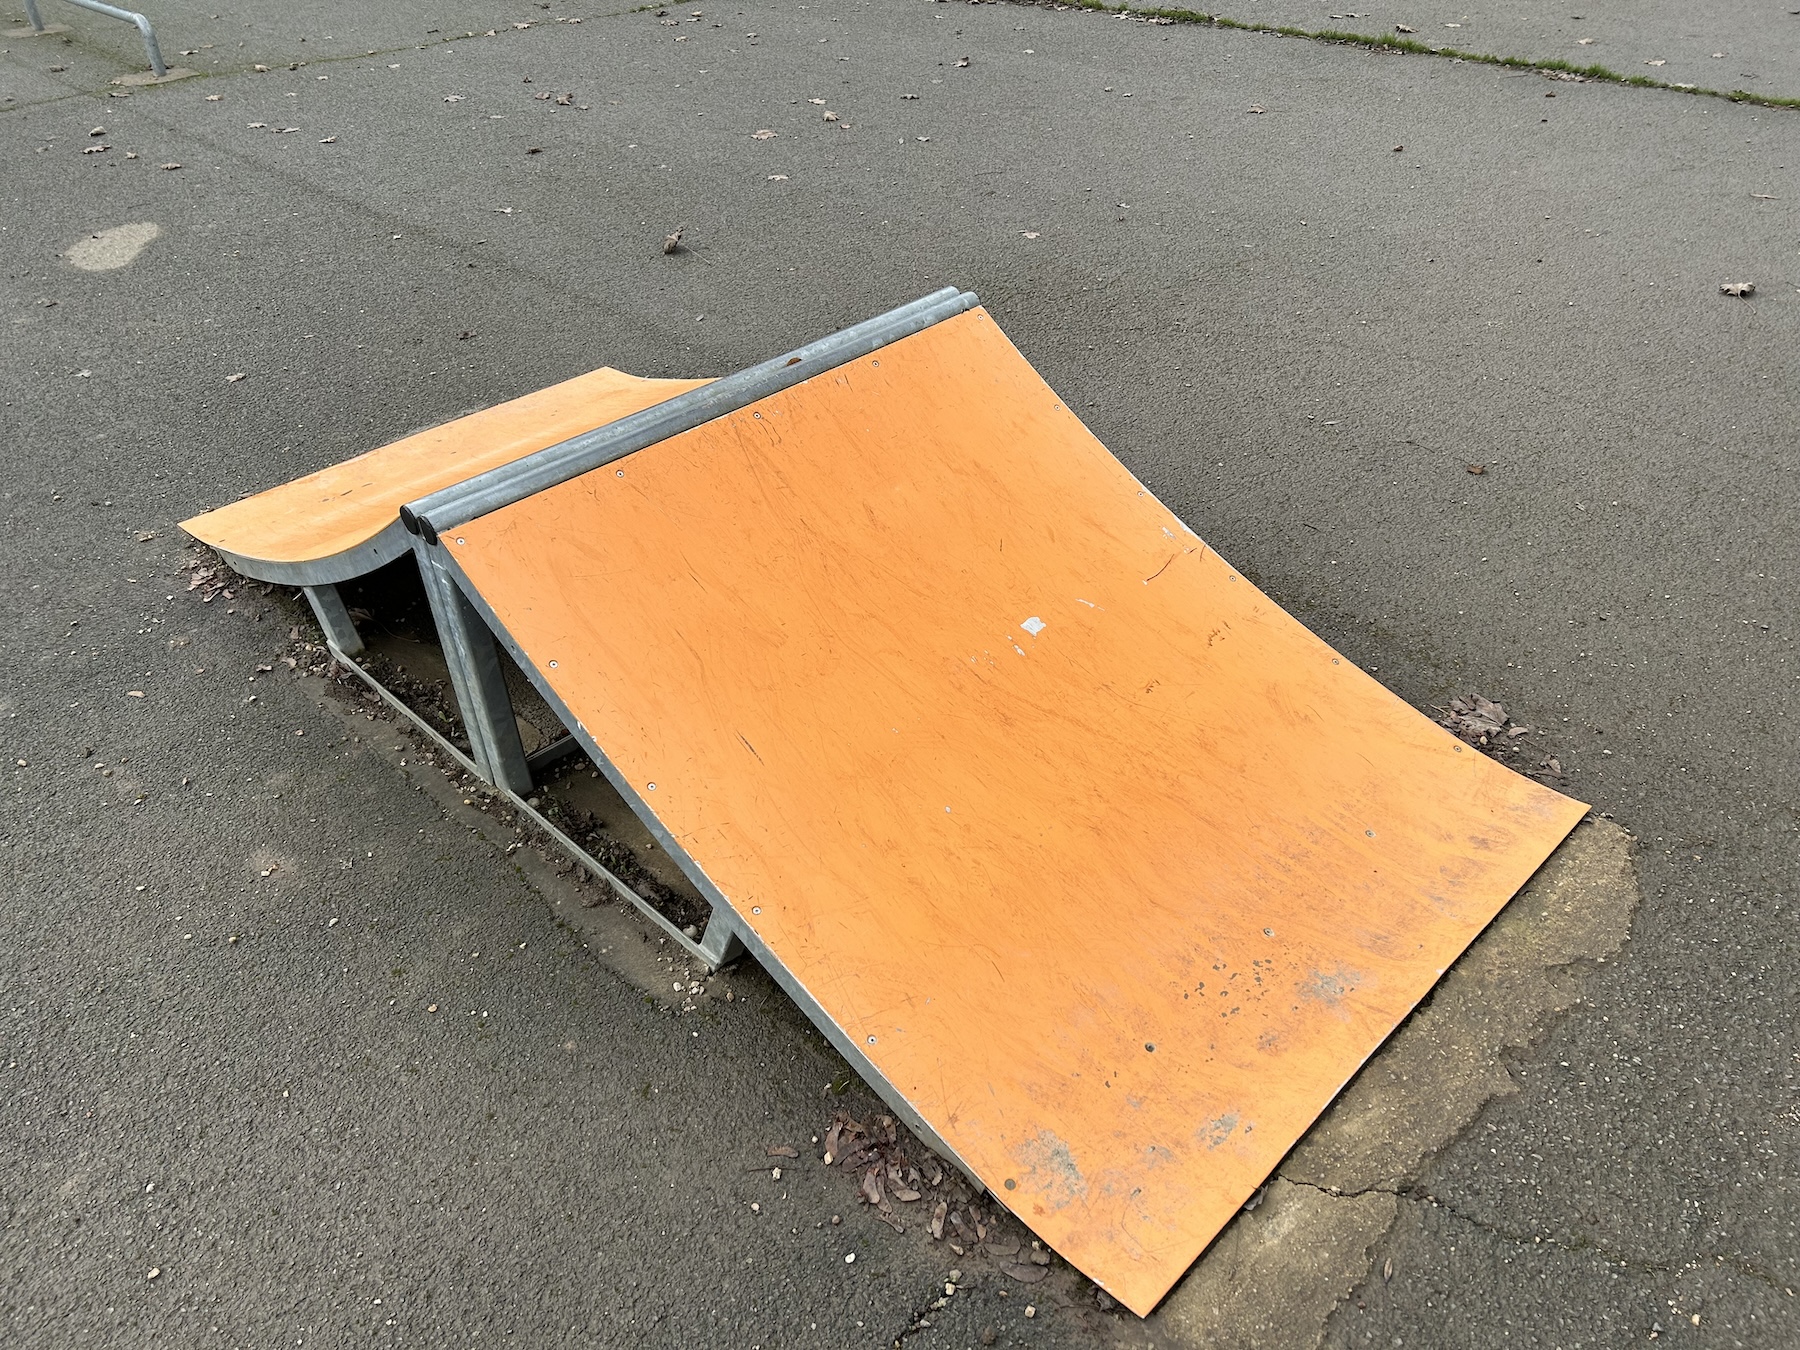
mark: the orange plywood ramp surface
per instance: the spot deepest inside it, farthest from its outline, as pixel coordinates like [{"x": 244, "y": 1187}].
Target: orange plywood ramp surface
[
  {"x": 1113, "y": 871},
  {"x": 331, "y": 515}
]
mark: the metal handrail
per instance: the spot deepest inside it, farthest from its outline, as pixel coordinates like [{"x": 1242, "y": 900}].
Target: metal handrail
[{"x": 112, "y": 11}]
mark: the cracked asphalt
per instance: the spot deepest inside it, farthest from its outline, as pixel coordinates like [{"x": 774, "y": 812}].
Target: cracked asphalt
[{"x": 227, "y": 914}]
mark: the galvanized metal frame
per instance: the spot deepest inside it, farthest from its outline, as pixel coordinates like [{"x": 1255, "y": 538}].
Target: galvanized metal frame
[
  {"x": 726, "y": 931},
  {"x": 151, "y": 49},
  {"x": 389, "y": 545},
  {"x": 334, "y": 618},
  {"x": 480, "y": 683},
  {"x": 714, "y": 953}
]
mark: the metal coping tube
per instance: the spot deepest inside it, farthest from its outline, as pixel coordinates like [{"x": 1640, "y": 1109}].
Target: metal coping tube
[
  {"x": 143, "y": 26},
  {"x": 487, "y": 492}
]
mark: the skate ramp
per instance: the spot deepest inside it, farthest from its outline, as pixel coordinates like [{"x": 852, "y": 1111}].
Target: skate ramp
[{"x": 1099, "y": 865}]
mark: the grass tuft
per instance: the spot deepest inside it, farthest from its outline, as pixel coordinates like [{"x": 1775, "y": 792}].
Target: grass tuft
[{"x": 1399, "y": 43}]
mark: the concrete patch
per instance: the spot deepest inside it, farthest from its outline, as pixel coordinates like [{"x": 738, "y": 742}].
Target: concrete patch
[
  {"x": 114, "y": 248},
  {"x": 147, "y": 77},
  {"x": 1274, "y": 1276}
]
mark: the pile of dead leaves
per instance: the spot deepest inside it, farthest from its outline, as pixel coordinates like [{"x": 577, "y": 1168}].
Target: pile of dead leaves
[
  {"x": 895, "y": 1167},
  {"x": 210, "y": 578},
  {"x": 1483, "y": 723}
]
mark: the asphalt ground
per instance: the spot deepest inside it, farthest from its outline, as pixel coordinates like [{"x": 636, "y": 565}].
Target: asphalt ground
[{"x": 1296, "y": 333}]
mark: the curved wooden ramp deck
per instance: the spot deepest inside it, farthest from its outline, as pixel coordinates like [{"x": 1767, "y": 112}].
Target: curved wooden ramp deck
[
  {"x": 1100, "y": 867},
  {"x": 1102, "y": 864},
  {"x": 344, "y": 521}
]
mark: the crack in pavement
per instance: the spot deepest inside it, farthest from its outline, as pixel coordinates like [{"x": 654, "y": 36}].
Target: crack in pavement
[
  {"x": 1279, "y": 1272},
  {"x": 1575, "y": 1245}
]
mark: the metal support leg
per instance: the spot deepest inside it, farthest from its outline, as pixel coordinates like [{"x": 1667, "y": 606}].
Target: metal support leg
[
  {"x": 720, "y": 945},
  {"x": 37, "y": 24},
  {"x": 151, "y": 49},
  {"x": 474, "y": 661},
  {"x": 328, "y": 609}
]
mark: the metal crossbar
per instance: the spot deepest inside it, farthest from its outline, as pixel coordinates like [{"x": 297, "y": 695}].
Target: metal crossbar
[
  {"x": 114, "y": 12},
  {"x": 718, "y": 946}
]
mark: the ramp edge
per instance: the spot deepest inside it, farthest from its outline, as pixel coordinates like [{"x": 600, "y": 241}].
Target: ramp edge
[{"x": 766, "y": 958}]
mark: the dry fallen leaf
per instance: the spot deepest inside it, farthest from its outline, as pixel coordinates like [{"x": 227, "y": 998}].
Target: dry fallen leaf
[
  {"x": 778, "y": 178},
  {"x": 1477, "y": 469},
  {"x": 764, "y": 135},
  {"x": 233, "y": 379},
  {"x": 937, "y": 1220},
  {"x": 328, "y": 140},
  {"x": 673, "y": 243},
  {"x": 1585, "y": 42},
  {"x": 214, "y": 98},
  {"x": 171, "y": 166},
  {"x": 1741, "y": 289},
  {"x": 564, "y": 100},
  {"x": 831, "y": 117},
  {"x": 1256, "y": 108},
  {"x": 963, "y": 62},
  {"x": 819, "y": 101},
  {"x": 1022, "y": 1271},
  {"x": 263, "y": 69},
  {"x": 1402, "y": 28},
  {"x": 1656, "y": 62},
  {"x": 783, "y": 1151},
  {"x": 95, "y": 149}
]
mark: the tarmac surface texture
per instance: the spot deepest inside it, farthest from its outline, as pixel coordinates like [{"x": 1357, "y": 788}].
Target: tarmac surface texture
[{"x": 1303, "y": 290}]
